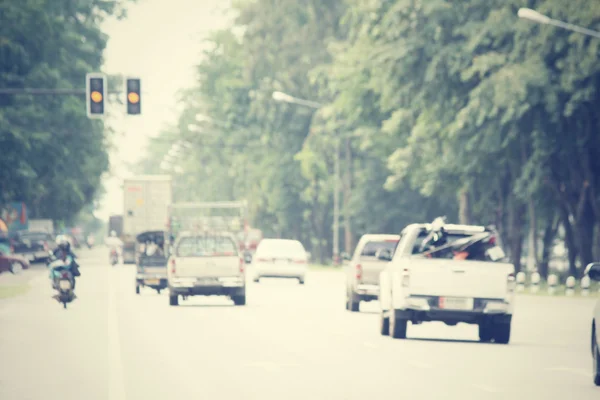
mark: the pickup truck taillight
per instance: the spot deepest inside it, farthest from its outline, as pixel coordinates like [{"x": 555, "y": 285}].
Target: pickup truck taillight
[
  {"x": 241, "y": 265},
  {"x": 173, "y": 266},
  {"x": 359, "y": 272},
  {"x": 510, "y": 282},
  {"x": 405, "y": 277}
]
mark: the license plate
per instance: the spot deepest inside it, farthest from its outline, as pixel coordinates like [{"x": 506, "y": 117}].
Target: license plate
[
  {"x": 206, "y": 281},
  {"x": 152, "y": 281},
  {"x": 456, "y": 303},
  {"x": 64, "y": 284}
]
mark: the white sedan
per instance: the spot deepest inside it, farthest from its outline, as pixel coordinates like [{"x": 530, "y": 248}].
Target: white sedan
[
  {"x": 280, "y": 258},
  {"x": 593, "y": 271}
]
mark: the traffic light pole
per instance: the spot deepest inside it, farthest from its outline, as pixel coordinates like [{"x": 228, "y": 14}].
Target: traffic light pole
[{"x": 40, "y": 91}]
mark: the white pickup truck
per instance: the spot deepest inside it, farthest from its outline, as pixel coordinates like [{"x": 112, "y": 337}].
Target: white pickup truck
[
  {"x": 206, "y": 264},
  {"x": 463, "y": 277}
]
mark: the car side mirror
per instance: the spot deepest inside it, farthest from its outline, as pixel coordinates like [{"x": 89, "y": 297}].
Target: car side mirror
[
  {"x": 248, "y": 258},
  {"x": 593, "y": 271},
  {"x": 384, "y": 255}
]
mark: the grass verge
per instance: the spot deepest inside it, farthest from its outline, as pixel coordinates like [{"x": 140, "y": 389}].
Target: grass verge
[{"x": 7, "y": 292}]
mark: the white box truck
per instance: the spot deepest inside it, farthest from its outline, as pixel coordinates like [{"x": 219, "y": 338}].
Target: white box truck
[{"x": 146, "y": 208}]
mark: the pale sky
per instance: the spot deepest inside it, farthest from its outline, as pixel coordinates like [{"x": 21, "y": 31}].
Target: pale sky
[{"x": 159, "y": 42}]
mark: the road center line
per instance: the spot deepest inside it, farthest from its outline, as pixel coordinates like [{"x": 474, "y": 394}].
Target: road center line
[{"x": 116, "y": 384}]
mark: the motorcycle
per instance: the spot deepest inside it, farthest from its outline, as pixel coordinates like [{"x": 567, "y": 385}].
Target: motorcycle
[
  {"x": 114, "y": 257},
  {"x": 63, "y": 279}
]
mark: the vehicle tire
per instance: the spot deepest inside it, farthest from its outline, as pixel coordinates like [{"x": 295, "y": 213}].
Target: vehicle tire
[
  {"x": 158, "y": 291},
  {"x": 596, "y": 360},
  {"x": 173, "y": 300},
  {"x": 485, "y": 332},
  {"x": 354, "y": 303},
  {"x": 256, "y": 280},
  {"x": 137, "y": 289},
  {"x": 398, "y": 327},
  {"x": 384, "y": 323},
  {"x": 16, "y": 268},
  {"x": 501, "y": 332},
  {"x": 64, "y": 304},
  {"x": 301, "y": 281},
  {"x": 239, "y": 300}
]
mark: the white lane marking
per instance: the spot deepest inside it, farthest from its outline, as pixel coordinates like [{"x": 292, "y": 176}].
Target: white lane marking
[
  {"x": 419, "y": 364},
  {"x": 576, "y": 371},
  {"x": 370, "y": 345},
  {"x": 485, "y": 388},
  {"x": 116, "y": 383}
]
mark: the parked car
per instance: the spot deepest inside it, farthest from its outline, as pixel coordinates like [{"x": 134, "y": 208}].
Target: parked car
[
  {"x": 33, "y": 245},
  {"x": 362, "y": 272},
  {"x": 10, "y": 262},
  {"x": 280, "y": 258},
  {"x": 593, "y": 271}
]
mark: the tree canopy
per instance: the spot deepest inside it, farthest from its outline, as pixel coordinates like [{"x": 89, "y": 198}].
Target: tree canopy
[
  {"x": 439, "y": 107},
  {"x": 53, "y": 156}
]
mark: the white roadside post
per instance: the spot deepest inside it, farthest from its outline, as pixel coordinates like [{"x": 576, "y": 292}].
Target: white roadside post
[
  {"x": 585, "y": 285},
  {"x": 570, "y": 290},
  {"x": 535, "y": 282},
  {"x": 552, "y": 283},
  {"x": 521, "y": 281}
]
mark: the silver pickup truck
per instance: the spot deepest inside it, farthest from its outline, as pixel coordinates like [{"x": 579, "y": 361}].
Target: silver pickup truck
[{"x": 362, "y": 271}]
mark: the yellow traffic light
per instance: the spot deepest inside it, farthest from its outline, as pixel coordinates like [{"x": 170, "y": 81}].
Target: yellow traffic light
[
  {"x": 96, "y": 97},
  {"x": 133, "y": 97}
]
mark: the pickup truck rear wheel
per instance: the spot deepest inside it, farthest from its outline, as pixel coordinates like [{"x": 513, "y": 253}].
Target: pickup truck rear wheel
[
  {"x": 16, "y": 268},
  {"x": 173, "y": 300},
  {"x": 502, "y": 332},
  {"x": 239, "y": 300},
  {"x": 137, "y": 289},
  {"x": 354, "y": 302},
  {"x": 384, "y": 323},
  {"x": 398, "y": 327},
  {"x": 485, "y": 332}
]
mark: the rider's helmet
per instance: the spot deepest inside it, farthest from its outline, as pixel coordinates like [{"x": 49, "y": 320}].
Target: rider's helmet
[
  {"x": 113, "y": 233},
  {"x": 65, "y": 246}
]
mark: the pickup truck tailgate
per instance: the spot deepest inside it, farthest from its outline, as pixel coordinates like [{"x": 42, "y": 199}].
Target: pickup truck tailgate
[
  {"x": 371, "y": 268},
  {"x": 217, "y": 266},
  {"x": 442, "y": 277}
]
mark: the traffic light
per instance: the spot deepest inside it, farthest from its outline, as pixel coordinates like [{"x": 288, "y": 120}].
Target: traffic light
[
  {"x": 95, "y": 90},
  {"x": 134, "y": 96}
]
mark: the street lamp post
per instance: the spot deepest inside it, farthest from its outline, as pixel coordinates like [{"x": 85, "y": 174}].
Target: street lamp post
[
  {"x": 286, "y": 98},
  {"x": 532, "y": 15}
]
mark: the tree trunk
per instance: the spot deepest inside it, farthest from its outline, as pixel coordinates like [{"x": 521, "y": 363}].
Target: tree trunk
[
  {"x": 516, "y": 212},
  {"x": 569, "y": 240},
  {"x": 533, "y": 239},
  {"x": 348, "y": 235},
  {"x": 585, "y": 235},
  {"x": 550, "y": 231},
  {"x": 464, "y": 209}
]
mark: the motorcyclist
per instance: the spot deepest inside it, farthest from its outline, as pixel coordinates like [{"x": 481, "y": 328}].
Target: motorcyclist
[
  {"x": 62, "y": 251},
  {"x": 114, "y": 243}
]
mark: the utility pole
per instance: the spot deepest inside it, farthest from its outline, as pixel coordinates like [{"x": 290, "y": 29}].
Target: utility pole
[
  {"x": 336, "y": 204},
  {"x": 348, "y": 236}
]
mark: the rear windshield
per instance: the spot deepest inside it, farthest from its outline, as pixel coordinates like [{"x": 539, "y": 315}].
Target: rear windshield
[
  {"x": 281, "y": 248},
  {"x": 206, "y": 246},
  {"x": 371, "y": 248},
  {"x": 451, "y": 238},
  {"x": 35, "y": 236}
]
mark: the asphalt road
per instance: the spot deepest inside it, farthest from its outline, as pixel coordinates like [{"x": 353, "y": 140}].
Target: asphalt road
[{"x": 289, "y": 342}]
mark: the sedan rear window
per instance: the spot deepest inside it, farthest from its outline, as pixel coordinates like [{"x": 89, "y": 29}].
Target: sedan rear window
[
  {"x": 371, "y": 248},
  {"x": 206, "y": 246}
]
